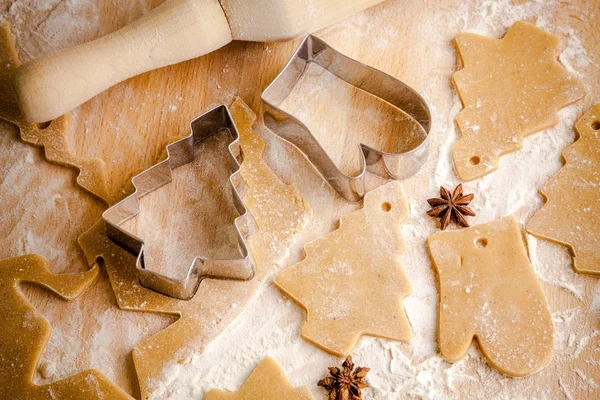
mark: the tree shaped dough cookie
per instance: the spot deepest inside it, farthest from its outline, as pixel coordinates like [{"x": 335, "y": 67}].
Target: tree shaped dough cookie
[
  {"x": 510, "y": 88},
  {"x": 266, "y": 382},
  {"x": 571, "y": 215},
  {"x": 25, "y": 332},
  {"x": 351, "y": 282},
  {"x": 489, "y": 291}
]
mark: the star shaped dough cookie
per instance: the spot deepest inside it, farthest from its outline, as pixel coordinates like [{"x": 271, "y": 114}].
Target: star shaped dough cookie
[
  {"x": 510, "y": 88},
  {"x": 571, "y": 215},
  {"x": 351, "y": 282},
  {"x": 266, "y": 382}
]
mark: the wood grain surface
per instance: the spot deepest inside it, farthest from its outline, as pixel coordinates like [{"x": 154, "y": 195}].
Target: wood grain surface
[{"x": 128, "y": 126}]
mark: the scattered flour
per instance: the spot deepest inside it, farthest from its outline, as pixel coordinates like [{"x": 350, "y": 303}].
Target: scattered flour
[
  {"x": 595, "y": 306},
  {"x": 271, "y": 324},
  {"x": 548, "y": 260},
  {"x": 415, "y": 370}
]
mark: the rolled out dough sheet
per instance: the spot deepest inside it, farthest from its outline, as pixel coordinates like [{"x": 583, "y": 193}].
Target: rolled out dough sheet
[
  {"x": 51, "y": 136},
  {"x": 280, "y": 214},
  {"x": 25, "y": 332}
]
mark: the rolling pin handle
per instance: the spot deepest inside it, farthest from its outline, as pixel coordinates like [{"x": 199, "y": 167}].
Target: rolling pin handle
[{"x": 175, "y": 31}]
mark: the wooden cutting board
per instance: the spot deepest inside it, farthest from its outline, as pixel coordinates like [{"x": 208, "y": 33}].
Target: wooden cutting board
[{"x": 128, "y": 126}]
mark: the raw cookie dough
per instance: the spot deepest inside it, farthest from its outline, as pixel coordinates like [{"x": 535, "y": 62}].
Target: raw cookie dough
[
  {"x": 25, "y": 332},
  {"x": 510, "y": 88},
  {"x": 51, "y": 136},
  {"x": 351, "y": 282},
  {"x": 266, "y": 382},
  {"x": 213, "y": 307},
  {"x": 277, "y": 208},
  {"x": 489, "y": 291},
  {"x": 571, "y": 215}
]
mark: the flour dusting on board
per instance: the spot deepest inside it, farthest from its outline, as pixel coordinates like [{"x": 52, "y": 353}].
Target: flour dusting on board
[
  {"x": 62, "y": 23},
  {"x": 415, "y": 369},
  {"x": 271, "y": 323},
  {"x": 59, "y": 23}
]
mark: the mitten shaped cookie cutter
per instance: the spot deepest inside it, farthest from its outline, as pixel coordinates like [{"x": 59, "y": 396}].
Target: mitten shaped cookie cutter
[
  {"x": 215, "y": 121},
  {"x": 381, "y": 85}
]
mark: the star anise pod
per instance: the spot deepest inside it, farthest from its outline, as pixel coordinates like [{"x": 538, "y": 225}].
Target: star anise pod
[
  {"x": 345, "y": 384},
  {"x": 451, "y": 207}
]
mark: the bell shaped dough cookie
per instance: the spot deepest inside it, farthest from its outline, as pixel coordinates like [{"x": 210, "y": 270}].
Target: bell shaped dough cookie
[
  {"x": 571, "y": 215},
  {"x": 510, "y": 88},
  {"x": 351, "y": 282},
  {"x": 488, "y": 290},
  {"x": 266, "y": 382}
]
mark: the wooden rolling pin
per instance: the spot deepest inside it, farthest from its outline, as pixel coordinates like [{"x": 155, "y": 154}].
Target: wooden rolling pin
[{"x": 175, "y": 31}]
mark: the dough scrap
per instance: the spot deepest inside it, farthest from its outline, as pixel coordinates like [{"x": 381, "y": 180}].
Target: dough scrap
[
  {"x": 216, "y": 304},
  {"x": 351, "y": 282},
  {"x": 489, "y": 291},
  {"x": 202, "y": 318},
  {"x": 267, "y": 199},
  {"x": 52, "y": 137},
  {"x": 25, "y": 332},
  {"x": 266, "y": 382},
  {"x": 510, "y": 88},
  {"x": 571, "y": 215},
  {"x": 47, "y": 221}
]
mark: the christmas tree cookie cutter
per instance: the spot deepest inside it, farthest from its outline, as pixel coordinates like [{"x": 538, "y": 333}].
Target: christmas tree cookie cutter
[
  {"x": 215, "y": 121},
  {"x": 379, "y": 84}
]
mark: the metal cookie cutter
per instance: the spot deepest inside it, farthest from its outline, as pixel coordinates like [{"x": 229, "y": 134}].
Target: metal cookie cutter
[
  {"x": 218, "y": 120},
  {"x": 377, "y": 83}
]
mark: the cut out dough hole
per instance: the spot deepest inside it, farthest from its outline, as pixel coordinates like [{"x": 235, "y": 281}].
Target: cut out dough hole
[
  {"x": 481, "y": 243},
  {"x": 386, "y": 207},
  {"x": 596, "y": 125},
  {"x": 43, "y": 125},
  {"x": 475, "y": 160}
]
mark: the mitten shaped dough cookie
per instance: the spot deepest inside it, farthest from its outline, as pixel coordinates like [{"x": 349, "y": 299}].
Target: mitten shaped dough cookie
[{"x": 488, "y": 290}]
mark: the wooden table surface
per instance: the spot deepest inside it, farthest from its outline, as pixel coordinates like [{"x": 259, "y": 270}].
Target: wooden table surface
[{"x": 128, "y": 126}]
